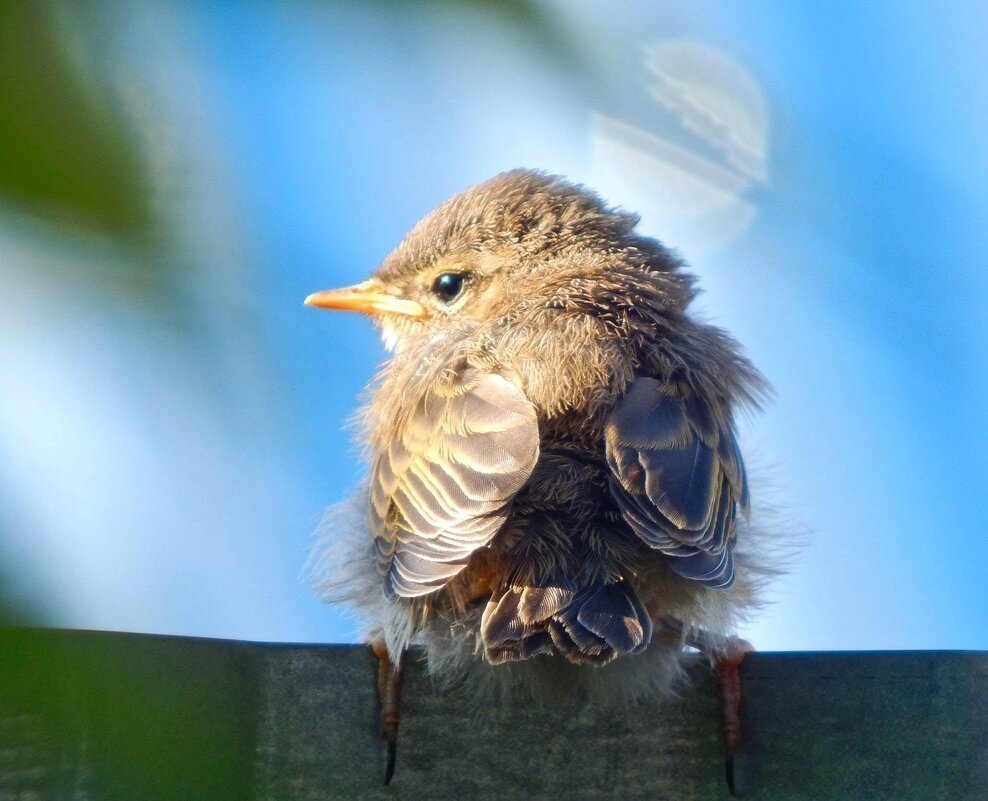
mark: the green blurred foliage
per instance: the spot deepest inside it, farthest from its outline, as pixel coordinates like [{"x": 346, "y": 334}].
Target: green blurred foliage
[
  {"x": 67, "y": 152},
  {"x": 117, "y": 717}
]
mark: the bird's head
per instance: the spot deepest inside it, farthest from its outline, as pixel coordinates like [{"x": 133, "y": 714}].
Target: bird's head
[{"x": 521, "y": 246}]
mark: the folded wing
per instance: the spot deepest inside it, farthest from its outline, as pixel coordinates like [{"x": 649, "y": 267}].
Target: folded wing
[
  {"x": 678, "y": 479},
  {"x": 441, "y": 489}
]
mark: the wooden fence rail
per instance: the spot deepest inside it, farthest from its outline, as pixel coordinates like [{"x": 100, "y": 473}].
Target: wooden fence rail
[{"x": 100, "y": 716}]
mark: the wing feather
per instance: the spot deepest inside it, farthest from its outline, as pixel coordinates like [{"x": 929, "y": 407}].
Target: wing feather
[
  {"x": 678, "y": 479},
  {"x": 441, "y": 488}
]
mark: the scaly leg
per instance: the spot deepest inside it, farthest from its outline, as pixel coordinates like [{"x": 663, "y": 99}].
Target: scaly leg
[
  {"x": 389, "y": 676},
  {"x": 726, "y": 655}
]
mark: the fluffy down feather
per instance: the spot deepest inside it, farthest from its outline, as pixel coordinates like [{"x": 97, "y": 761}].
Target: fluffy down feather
[{"x": 553, "y": 459}]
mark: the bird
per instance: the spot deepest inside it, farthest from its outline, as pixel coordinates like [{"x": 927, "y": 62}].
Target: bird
[{"x": 554, "y": 475}]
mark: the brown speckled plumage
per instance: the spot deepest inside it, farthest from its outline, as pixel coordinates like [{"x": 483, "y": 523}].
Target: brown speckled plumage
[{"x": 553, "y": 463}]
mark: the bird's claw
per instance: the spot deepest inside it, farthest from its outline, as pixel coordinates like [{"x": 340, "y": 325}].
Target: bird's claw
[
  {"x": 726, "y": 663},
  {"x": 389, "y": 677},
  {"x": 391, "y": 758},
  {"x": 726, "y": 655}
]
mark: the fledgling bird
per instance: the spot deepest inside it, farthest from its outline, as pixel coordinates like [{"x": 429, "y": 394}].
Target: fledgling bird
[{"x": 554, "y": 471}]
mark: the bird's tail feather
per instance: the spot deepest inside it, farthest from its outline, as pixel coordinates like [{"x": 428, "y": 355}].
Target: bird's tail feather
[{"x": 591, "y": 624}]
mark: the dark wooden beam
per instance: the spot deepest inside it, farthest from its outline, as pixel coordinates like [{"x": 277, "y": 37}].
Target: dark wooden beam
[{"x": 126, "y": 716}]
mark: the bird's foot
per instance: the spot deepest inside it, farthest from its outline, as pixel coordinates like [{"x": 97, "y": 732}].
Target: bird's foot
[
  {"x": 726, "y": 655},
  {"x": 726, "y": 664},
  {"x": 389, "y": 676}
]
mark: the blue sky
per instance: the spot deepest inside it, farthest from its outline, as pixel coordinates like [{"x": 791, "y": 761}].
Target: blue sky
[{"x": 821, "y": 166}]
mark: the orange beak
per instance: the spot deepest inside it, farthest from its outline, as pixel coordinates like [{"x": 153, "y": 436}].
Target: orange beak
[{"x": 368, "y": 297}]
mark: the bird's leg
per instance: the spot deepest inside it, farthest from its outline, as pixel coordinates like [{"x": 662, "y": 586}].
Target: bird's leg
[
  {"x": 726, "y": 655},
  {"x": 389, "y": 676},
  {"x": 726, "y": 663}
]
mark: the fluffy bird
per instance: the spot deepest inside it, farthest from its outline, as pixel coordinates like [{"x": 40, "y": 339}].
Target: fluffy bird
[{"x": 555, "y": 477}]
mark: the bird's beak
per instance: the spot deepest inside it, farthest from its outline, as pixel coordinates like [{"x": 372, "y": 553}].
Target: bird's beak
[{"x": 368, "y": 297}]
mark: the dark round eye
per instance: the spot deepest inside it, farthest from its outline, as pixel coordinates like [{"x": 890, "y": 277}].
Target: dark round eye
[{"x": 448, "y": 286}]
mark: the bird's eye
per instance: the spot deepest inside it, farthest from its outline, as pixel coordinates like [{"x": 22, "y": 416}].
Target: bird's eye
[{"x": 448, "y": 286}]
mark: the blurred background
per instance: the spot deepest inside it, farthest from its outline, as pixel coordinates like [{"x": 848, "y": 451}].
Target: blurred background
[{"x": 176, "y": 177}]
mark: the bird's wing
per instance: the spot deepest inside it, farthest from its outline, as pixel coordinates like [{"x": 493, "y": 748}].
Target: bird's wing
[
  {"x": 441, "y": 488},
  {"x": 678, "y": 478}
]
